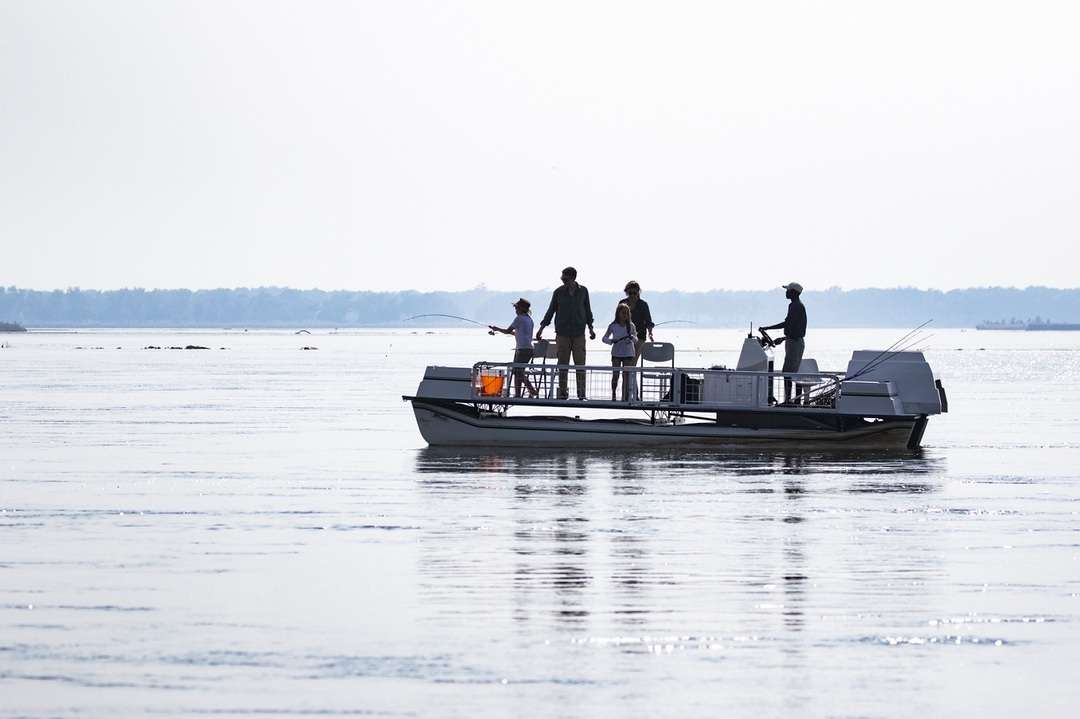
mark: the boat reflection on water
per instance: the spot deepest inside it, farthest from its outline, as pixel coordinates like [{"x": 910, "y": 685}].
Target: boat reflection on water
[
  {"x": 636, "y": 542},
  {"x": 660, "y": 464}
]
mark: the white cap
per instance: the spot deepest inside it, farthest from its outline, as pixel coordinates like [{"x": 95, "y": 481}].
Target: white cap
[{"x": 793, "y": 286}]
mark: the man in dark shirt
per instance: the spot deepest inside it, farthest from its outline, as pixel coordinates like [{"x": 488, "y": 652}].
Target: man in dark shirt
[
  {"x": 572, "y": 311},
  {"x": 794, "y": 326}
]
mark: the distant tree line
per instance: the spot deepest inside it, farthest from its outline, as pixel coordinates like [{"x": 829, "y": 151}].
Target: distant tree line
[{"x": 284, "y": 307}]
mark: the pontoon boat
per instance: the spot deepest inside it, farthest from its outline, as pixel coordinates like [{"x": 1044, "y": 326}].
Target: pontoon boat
[{"x": 882, "y": 400}]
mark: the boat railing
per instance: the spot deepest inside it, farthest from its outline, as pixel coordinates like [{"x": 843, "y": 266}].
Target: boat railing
[{"x": 651, "y": 387}]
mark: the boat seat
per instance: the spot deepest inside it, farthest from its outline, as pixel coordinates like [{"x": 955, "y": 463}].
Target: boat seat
[
  {"x": 658, "y": 352},
  {"x": 544, "y": 350},
  {"x": 656, "y": 385},
  {"x": 802, "y": 389}
]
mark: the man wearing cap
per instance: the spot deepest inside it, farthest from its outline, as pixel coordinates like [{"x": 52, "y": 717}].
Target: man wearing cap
[
  {"x": 794, "y": 326},
  {"x": 572, "y": 311}
]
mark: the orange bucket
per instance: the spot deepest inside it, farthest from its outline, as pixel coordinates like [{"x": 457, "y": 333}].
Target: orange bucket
[{"x": 491, "y": 384}]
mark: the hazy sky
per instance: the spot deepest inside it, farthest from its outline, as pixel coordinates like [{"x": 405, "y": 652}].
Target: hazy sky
[{"x": 387, "y": 145}]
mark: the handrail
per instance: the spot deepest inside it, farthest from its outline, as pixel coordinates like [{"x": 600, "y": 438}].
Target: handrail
[
  {"x": 650, "y": 387},
  {"x": 651, "y": 368}
]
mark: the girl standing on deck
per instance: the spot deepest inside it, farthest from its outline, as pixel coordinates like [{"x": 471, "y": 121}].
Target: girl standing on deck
[
  {"x": 621, "y": 335},
  {"x": 522, "y": 329}
]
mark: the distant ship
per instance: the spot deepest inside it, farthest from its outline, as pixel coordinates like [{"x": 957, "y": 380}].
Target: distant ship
[
  {"x": 1036, "y": 325},
  {"x": 1002, "y": 325},
  {"x": 1044, "y": 326}
]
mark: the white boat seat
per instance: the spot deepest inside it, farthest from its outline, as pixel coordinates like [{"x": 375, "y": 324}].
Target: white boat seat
[
  {"x": 656, "y": 385},
  {"x": 658, "y": 352},
  {"x": 544, "y": 350},
  {"x": 802, "y": 389}
]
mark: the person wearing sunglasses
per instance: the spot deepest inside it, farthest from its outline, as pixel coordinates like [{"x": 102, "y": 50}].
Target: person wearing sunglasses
[{"x": 640, "y": 316}]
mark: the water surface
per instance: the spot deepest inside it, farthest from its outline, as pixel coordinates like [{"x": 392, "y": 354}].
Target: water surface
[{"x": 259, "y": 530}]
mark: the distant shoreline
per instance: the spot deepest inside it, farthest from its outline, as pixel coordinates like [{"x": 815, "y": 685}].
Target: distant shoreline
[
  {"x": 298, "y": 329},
  {"x": 282, "y": 308}
]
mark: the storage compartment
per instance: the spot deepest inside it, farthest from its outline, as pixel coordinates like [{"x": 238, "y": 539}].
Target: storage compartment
[
  {"x": 690, "y": 389},
  {"x": 734, "y": 389},
  {"x": 866, "y": 388}
]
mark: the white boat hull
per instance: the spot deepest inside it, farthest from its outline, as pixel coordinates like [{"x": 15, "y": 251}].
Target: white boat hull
[
  {"x": 442, "y": 425},
  {"x": 881, "y": 402}
]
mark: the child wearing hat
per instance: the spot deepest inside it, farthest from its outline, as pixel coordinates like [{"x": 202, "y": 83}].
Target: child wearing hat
[{"x": 522, "y": 329}]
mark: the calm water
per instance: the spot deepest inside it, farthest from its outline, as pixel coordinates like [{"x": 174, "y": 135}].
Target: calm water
[{"x": 259, "y": 530}]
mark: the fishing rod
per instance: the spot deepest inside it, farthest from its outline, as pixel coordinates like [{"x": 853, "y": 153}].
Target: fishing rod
[
  {"x": 888, "y": 354},
  {"x": 452, "y": 317},
  {"x": 871, "y": 367},
  {"x": 890, "y": 348},
  {"x": 905, "y": 337},
  {"x": 883, "y": 358},
  {"x": 906, "y": 347},
  {"x": 925, "y": 347},
  {"x": 668, "y": 322}
]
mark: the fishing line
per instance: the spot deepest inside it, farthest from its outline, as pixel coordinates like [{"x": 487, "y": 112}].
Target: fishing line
[
  {"x": 926, "y": 347},
  {"x": 452, "y": 317}
]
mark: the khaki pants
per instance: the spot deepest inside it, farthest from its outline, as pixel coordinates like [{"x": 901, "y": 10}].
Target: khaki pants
[{"x": 564, "y": 347}]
